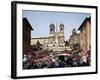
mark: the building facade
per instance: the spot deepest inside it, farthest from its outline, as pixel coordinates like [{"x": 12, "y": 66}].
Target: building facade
[
  {"x": 55, "y": 36},
  {"x": 55, "y": 39},
  {"x": 85, "y": 34},
  {"x": 74, "y": 38},
  {"x": 42, "y": 40},
  {"x": 26, "y": 34}
]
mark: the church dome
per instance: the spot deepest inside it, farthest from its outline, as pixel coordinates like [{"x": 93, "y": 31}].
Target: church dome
[{"x": 74, "y": 31}]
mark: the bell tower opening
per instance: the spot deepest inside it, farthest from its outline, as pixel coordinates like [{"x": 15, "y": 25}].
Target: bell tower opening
[{"x": 61, "y": 27}]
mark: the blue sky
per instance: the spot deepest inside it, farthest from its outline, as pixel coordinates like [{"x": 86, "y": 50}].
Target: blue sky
[{"x": 40, "y": 21}]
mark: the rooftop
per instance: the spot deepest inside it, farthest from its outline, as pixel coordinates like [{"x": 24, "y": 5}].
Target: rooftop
[{"x": 86, "y": 19}]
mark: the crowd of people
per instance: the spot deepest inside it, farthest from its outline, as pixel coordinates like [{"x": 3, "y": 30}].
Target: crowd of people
[{"x": 51, "y": 59}]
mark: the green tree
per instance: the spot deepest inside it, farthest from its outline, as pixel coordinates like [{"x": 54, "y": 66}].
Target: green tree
[
  {"x": 38, "y": 44},
  {"x": 77, "y": 45},
  {"x": 66, "y": 43}
]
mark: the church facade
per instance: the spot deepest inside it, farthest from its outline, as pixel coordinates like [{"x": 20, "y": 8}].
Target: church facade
[{"x": 55, "y": 40}]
